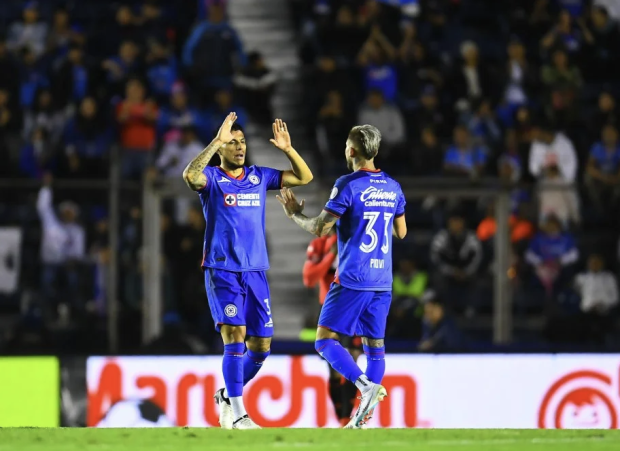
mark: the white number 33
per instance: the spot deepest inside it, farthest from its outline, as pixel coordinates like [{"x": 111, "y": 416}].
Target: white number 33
[{"x": 371, "y": 217}]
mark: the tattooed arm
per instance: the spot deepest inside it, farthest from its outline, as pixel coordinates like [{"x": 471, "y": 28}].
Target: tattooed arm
[
  {"x": 319, "y": 226},
  {"x": 193, "y": 173}
]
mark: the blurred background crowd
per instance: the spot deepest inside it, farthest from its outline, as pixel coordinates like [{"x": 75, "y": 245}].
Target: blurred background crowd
[{"x": 516, "y": 93}]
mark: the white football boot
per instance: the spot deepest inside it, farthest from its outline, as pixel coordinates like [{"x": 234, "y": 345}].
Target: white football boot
[
  {"x": 369, "y": 401},
  {"x": 245, "y": 423},
  {"x": 226, "y": 412}
]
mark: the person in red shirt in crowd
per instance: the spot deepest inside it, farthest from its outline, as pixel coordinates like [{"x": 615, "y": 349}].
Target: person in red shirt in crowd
[
  {"x": 136, "y": 116},
  {"x": 320, "y": 268}
]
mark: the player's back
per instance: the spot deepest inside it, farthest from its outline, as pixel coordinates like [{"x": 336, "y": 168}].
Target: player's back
[{"x": 367, "y": 203}]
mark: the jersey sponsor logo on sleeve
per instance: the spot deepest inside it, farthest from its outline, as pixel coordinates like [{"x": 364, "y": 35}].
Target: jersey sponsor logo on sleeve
[
  {"x": 223, "y": 180},
  {"x": 230, "y": 200},
  {"x": 376, "y": 197},
  {"x": 254, "y": 179},
  {"x": 334, "y": 193},
  {"x": 230, "y": 310}
]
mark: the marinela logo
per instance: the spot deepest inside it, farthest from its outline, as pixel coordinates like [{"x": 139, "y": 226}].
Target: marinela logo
[{"x": 580, "y": 400}]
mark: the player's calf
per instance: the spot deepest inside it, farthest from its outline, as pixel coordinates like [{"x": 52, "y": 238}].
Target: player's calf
[{"x": 375, "y": 358}]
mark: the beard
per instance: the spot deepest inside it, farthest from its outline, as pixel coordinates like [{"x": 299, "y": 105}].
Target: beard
[{"x": 232, "y": 165}]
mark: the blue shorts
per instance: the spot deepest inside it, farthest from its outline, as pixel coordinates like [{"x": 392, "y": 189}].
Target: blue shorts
[
  {"x": 354, "y": 312},
  {"x": 240, "y": 299}
]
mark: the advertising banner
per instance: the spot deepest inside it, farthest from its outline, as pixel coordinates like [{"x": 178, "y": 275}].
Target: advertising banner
[
  {"x": 29, "y": 392},
  {"x": 456, "y": 391}
]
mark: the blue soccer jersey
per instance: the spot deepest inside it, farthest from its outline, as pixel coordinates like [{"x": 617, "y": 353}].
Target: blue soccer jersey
[
  {"x": 366, "y": 203},
  {"x": 234, "y": 209}
]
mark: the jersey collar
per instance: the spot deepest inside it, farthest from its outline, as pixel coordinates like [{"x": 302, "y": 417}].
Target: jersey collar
[
  {"x": 230, "y": 176},
  {"x": 369, "y": 170}
]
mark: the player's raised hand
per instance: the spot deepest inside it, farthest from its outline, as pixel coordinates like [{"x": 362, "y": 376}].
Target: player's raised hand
[
  {"x": 224, "y": 134},
  {"x": 281, "y": 137},
  {"x": 289, "y": 202}
]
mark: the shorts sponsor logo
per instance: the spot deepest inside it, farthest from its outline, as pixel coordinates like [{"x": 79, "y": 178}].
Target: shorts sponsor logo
[
  {"x": 230, "y": 200},
  {"x": 254, "y": 179},
  {"x": 230, "y": 310}
]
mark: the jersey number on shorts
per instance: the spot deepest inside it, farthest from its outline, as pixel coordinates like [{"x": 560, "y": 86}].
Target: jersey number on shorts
[{"x": 371, "y": 217}]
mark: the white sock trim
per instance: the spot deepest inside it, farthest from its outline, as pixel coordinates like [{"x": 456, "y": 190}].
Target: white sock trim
[
  {"x": 364, "y": 384},
  {"x": 237, "y": 407}
]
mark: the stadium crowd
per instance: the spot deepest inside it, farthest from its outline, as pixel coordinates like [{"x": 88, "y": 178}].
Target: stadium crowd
[{"x": 522, "y": 91}]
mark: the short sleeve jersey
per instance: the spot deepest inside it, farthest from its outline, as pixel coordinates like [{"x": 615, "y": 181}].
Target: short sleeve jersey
[
  {"x": 234, "y": 210},
  {"x": 366, "y": 204}
]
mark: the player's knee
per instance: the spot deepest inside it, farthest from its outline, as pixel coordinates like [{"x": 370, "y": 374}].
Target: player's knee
[
  {"x": 233, "y": 334},
  {"x": 373, "y": 342},
  {"x": 259, "y": 344},
  {"x": 325, "y": 334}
]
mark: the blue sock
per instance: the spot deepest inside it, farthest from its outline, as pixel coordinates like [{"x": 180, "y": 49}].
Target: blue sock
[
  {"x": 339, "y": 358},
  {"x": 375, "y": 358},
  {"x": 252, "y": 363},
  {"x": 232, "y": 368}
]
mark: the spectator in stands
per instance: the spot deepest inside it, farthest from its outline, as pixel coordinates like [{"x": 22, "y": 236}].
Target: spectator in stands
[
  {"x": 10, "y": 128},
  {"x": 603, "y": 170},
  {"x": 71, "y": 81},
  {"x": 224, "y": 103},
  {"x": 375, "y": 58},
  {"x": 37, "y": 155},
  {"x": 606, "y": 113},
  {"x": 456, "y": 255},
  {"x": 483, "y": 126},
  {"x": 63, "y": 244},
  {"x": 153, "y": 26},
  {"x": 32, "y": 78},
  {"x": 345, "y": 38},
  {"x": 471, "y": 80},
  {"x": 430, "y": 114},
  {"x": 177, "y": 154},
  {"x": 408, "y": 289},
  {"x": 256, "y": 83},
  {"x": 326, "y": 77},
  {"x": 552, "y": 254},
  {"x": 119, "y": 68},
  {"x": 213, "y": 52},
  {"x": 602, "y": 46},
  {"x": 563, "y": 35},
  {"x": 463, "y": 158},
  {"x": 558, "y": 197},
  {"x": 551, "y": 148},
  {"x": 440, "y": 333},
  {"x": 333, "y": 123},
  {"x": 521, "y": 76},
  {"x": 30, "y": 33},
  {"x": 180, "y": 114},
  {"x": 427, "y": 156},
  {"x": 598, "y": 289},
  {"x": 45, "y": 115},
  {"x": 521, "y": 229},
  {"x": 418, "y": 70},
  {"x": 562, "y": 81},
  {"x": 62, "y": 35},
  {"x": 387, "y": 118},
  {"x": 125, "y": 28},
  {"x": 612, "y": 6},
  {"x": 161, "y": 70},
  {"x": 88, "y": 137},
  {"x": 136, "y": 116}
]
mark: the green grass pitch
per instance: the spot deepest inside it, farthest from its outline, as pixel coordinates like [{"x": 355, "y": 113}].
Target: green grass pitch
[{"x": 184, "y": 439}]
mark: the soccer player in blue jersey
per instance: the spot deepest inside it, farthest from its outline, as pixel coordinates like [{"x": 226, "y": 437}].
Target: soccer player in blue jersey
[
  {"x": 368, "y": 208},
  {"x": 235, "y": 254}
]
